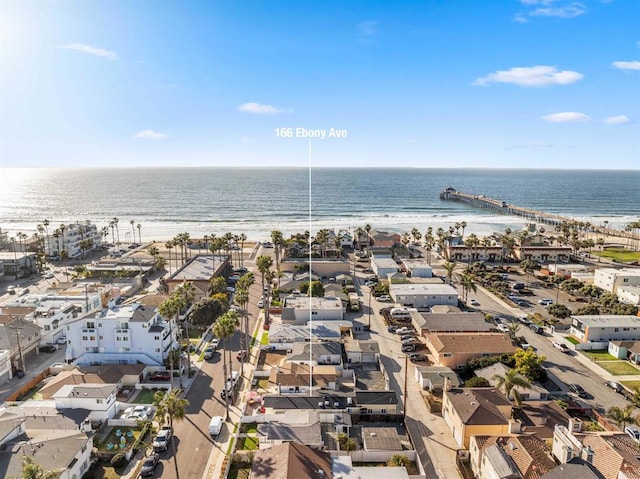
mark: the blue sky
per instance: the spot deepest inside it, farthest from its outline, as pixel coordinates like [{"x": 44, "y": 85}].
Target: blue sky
[{"x": 500, "y": 83}]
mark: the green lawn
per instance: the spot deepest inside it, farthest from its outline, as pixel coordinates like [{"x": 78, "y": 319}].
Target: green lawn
[
  {"x": 145, "y": 396},
  {"x": 249, "y": 428},
  {"x": 572, "y": 340},
  {"x": 620, "y": 255},
  {"x": 619, "y": 368},
  {"x": 599, "y": 355},
  {"x": 249, "y": 443},
  {"x": 239, "y": 473},
  {"x": 631, "y": 384},
  {"x": 265, "y": 338}
]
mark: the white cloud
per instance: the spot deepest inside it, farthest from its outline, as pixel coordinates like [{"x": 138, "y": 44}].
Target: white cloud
[
  {"x": 95, "y": 51},
  {"x": 520, "y": 18},
  {"x": 634, "y": 65},
  {"x": 259, "y": 109},
  {"x": 617, "y": 120},
  {"x": 368, "y": 29},
  {"x": 539, "y": 75},
  {"x": 150, "y": 135},
  {"x": 570, "y": 11},
  {"x": 566, "y": 117}
]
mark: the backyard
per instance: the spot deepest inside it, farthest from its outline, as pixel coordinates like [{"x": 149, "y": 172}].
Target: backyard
[
  {"x": 599, "y": 355},
  {"x": 145, "y": 396},
  {"x": 619, "y": 368}
]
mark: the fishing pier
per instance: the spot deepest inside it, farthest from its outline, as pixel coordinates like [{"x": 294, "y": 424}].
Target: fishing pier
[{"x": 481, "y": 201}]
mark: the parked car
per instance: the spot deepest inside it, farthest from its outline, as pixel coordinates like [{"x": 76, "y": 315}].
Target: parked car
[
  {"x": 208, "y": 352},
  {"x": 62, "y": 340},
  {"x": 160, "y": 376},
  {"x": 162, "y": 440},
  {"x": 385, "y": 298},
  {"x": 545, "y": 302},
  {"x": 536, "y": 328},
  {"x": 260, "y": 303},
  {"x": 405, "y": 330},
  {"x": 524, "y": 320},
  {"x": 410, "y": 340},
  {"x": 518, "y": 286},
  {"x": 214, "y": 343},
  {"x": 406, "y": 337},
  {"x": 634, "y": 432},
  {"x": 503, "y": 327},
  {"x": 577, "y": 389},
  {"x": 48, "y": 348},
  {"x": 241, "y": 355},
  {"x": 561, "y": 346},
  {"x": 146, "y": 410},
  {"x": 408, "y": 348},
  {"x": 617, "y": 387},
  {"x": 392, "y": 329},
  {"x": 413, "y": 357},
  {"x": 48, "y": 276},
  {"x": 136, "y": 416},
  {"x": 215, "y": 425},
  {"x": 149, "y": 465},
  {"x": 475, "y": 302}
]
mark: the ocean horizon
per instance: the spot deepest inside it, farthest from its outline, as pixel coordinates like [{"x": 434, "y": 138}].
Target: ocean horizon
[{"x": 254, "y": 201}]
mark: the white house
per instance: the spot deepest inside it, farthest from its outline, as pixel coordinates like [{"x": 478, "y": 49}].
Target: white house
[
  {"x": 423, "y": 295},
  {"x": 52, "y": 440},
  {"x": 125, "y": 334},
  {"x": 382, "y": 267},
  {"x": 69, "y": 239},
  {"x": 610, "y": 279},
  {"x": 605, "y": 328},
  {"x": 301, "y": 309},
  {"x": 533, "y": 393},
  {"x": 100, "y": 399},
  {"x": 629, "y": 294},
  {"x": 328, "y": 352},
  {"x": 417, "y": 268}
]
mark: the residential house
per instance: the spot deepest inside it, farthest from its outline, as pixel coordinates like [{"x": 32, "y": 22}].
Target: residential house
[
  {"x": 328, "y": 401},
  {"x": 377, "y": 402},
  {"x": 417, "y": 268},
  {"x": 383, "y": 267},
  {"x": 610, "y": 279},
  {"x": 384, "y": 239},
  {"x": 456, "y": 349},
  {"x": 125, "y": 334},
  {"x": 452, "y": 323},
  {"x": 283, "y": 335},
  {"x": 21, "y": 338},
  {"x": 574, "y": 469},
  {"x": 533, "y": 393},
  {"x": 16, "y": 264},
  {"x": 476, "y": 411},
  {"x": 436, "y": 377},
  {"x": 275, "y": 432},
  {"x": 614, "y": 455},
  {"x": 543, "y": 254},
  {"x": 343, "y": 468},
  {"x": 629, "y": 294},
  {"x": 464, "y": 254},
  {"x": 625, "y": 350},
  {"x": 541, "y": 417},
  {"x": 326, "y": 352},
  {"x": 51, "y": 439},
  {"x": 293, "y": 378},
  {"x": 605, "y": 327},
  {"x": 323, "y": 267},
  {"x": 362, "y": 351},
  {"x": 100, "y": 399},
  {"x": 423, "y": 295},
  {"x": 290, "y": 460},
  {"x": 300, "y": 309},
  {"x": 503, "y": 456},
  {"x": 199, "y": 271}
]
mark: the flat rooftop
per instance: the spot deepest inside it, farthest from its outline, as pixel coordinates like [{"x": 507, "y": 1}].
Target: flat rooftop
[
  {"x": 200, "y": 268},
  {"x": 608, "y": 321},
  {"x": 413, "y": 289}
]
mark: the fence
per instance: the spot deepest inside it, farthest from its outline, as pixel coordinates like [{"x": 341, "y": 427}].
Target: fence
[
  {"x": 29, "y": 385},
  {"x": 602, "y": 420}
]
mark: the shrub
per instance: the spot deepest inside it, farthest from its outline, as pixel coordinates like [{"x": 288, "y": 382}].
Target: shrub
[
  {"x": 477, "y": 382},
  {"x": 119, "y": 460}
]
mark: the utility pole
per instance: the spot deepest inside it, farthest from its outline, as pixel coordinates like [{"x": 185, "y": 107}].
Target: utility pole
[
  {"x": 404, "y": 392},
  {"x": 17, "y": 330},
  {"x": 370, "y": 307}
]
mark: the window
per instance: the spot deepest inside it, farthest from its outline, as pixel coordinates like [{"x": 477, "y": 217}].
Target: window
[
  {"x": 447, "y": 355},
  {"x": 157, "y": 350},
  {"x": 101, "y": 337},
  {"x": 91, "y": 324},
  {"x": 156, "y": 338},
  {"x": 616, "y": 330},
  {"x": 99, "y": 401},
  {"x": 99, "y": 325},
  {"x": 93, "y": 338},
  {"x": 47, "y": 327},
  {"x": 85, "y": 338}
]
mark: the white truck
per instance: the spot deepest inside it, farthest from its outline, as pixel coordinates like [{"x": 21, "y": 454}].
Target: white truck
[{"x": 354, "y": 302}]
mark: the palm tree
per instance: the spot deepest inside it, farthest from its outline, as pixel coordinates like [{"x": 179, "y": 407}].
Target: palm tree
[
  {"x": 139, "y": 226},
  {"x": 416, "y": 235},
  {"x": 185, "y": 294},
  {"x": 133, "y": 230},
  {"x": 169, "y": 246},
  {"x": 463, "y": 225},
  {"x": 264, "y": 264},
  {"x": 46, "y": 224},
  {"x": 509, "y": 381},
  {"x": 56, "y": 235},
  {"x": 62, "y": 227},
  {"x": 529, "y": 266},
  {"x": 114, "y": 222},
  {"x": 429, "y": 243},
  {"x": 278, "y": 244},
  {"x": 449, "y": 267},
  {"x": 468, "y": 284},
  {"x": 170, "y": 308},
  {"x": 242, "y": 237},
  {"x": 242, "y": 299},
  {"x": 623, "y": 416},
  {"x": 224, "y": 328}
]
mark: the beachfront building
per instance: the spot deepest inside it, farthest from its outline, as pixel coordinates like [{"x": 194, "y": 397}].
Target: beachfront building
[
  {"x": 126, "y": 334},
  {"x": 455, "y": 350},
  {"x": 605, "y": 327},
  {"x": 70, "y": 239},
  {"x": 16, "y": 265},
  {"x": 465, "y": 254},
  {"x": 543, "y": 254},
  {"x": 301, "y": 309},
  {"x": 423, "y": 295},
  {"x": 610, "y": 279},
  {"x": 384, "y": 239},
  {"x": 199, "y": 271}
]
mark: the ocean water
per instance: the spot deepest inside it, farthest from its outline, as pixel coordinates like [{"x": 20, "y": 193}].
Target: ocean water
[{"x": 254, "y": 201}]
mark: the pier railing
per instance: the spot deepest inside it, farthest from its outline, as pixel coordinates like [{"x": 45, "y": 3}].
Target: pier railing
[{"x": 481, "y": 201}]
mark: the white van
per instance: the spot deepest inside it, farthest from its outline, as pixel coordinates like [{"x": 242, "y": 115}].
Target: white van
[
  {"x": 235, "y": 375},
  {"x": 400, "y": 313},
  {"x": 215, "y": 426}
]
